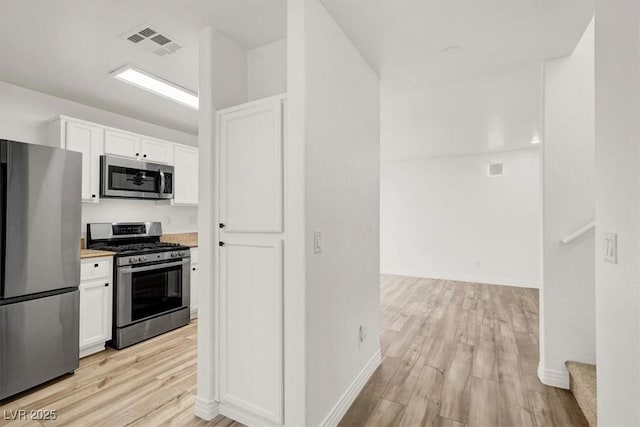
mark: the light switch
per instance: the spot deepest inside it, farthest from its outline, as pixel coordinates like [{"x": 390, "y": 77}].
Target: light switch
[
  {"x": 317, "y": 242},
  {"x": 611, "y": 247}
]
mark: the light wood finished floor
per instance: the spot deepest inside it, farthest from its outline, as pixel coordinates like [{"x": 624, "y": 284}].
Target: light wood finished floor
[
  {"x": 457, "y": 354},
  {"x": 149, "y": 384},
  {"x": 454, "y": 354}
]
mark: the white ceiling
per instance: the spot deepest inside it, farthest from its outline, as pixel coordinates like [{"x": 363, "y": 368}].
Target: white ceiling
[
  {"x": 402, "y": 40},
  {"x": 67, "y": 48},
  {"x": 484, "y": 95},
  {"x": 491, "y": 112}
]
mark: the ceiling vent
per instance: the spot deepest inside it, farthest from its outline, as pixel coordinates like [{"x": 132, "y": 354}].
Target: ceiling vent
[
  {"x": 152, "y": 40},
  {"x": 496, "y": 169}
]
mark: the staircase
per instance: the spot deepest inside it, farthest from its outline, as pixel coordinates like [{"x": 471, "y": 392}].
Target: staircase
[{"x": 582, "y": 378}]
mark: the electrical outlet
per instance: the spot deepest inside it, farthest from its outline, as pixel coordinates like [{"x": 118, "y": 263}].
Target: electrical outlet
[
  {"x": 476, "y": 263},
  {"x": 362, "y": 334}
]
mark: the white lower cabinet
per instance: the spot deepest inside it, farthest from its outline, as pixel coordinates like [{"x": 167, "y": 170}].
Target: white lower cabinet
[
  {"x": 194, "y": 283},
  {"x": 96, "y": 304},
  {"x": 251, "y": 328}
]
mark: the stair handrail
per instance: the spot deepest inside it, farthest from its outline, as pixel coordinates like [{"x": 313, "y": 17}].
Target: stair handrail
[{"x": 579, "y": 232}]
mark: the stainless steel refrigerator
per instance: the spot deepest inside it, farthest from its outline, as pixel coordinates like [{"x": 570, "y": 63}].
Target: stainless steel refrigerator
[{"x": 39, "y": 264}]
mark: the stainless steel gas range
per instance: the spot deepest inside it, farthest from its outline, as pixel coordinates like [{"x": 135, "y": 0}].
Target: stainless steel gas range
[{"x": 151, "y": 292}]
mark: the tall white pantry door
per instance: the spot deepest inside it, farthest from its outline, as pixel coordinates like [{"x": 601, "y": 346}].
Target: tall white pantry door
[{"x": 251, "y": 259}]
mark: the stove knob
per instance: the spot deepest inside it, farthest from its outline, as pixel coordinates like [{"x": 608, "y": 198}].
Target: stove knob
[
  {"x": 142, "y": 258},
  {"x": 133, "y": 259},
  {"x": 172, "y": 254}
]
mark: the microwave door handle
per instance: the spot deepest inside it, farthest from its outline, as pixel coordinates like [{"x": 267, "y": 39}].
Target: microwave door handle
[{"x": 162, "y": 181}]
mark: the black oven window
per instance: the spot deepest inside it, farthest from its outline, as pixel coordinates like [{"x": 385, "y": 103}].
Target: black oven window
[
  {"x": 155, "y": 291},
  {"x": 130, "y": 179}
]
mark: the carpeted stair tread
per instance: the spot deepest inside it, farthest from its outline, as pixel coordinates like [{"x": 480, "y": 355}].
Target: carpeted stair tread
[{"x": 583, "y": 386}]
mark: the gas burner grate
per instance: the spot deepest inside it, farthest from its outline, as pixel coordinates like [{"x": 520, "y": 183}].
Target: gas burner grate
[{"x": 139, "y": 247}]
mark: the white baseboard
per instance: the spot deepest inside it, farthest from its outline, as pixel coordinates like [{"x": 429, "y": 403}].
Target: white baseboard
[
  {"x": 92, "y": 349},
  {"x": 193, "y": 314},
  {"x": 346, "y": 400},
  {"x": 243, "y": 416},
  {"x": 553, "y": 378},
  {"x": 206, "y": 409}
]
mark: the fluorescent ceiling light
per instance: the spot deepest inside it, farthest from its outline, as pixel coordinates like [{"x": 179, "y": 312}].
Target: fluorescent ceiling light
[
  {"x": 156, "y": 85},
  {"x": 535, "y": 140}
]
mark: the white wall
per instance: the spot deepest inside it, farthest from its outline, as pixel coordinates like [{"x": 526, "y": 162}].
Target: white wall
[
  {"x": 24, "y": 112},
  {"x": 339, "y": 99},
  {"x": 23, "y": 116},
  {"x": 296, "y": 239},
  {"x": 175, "y": 219},
  {"x": 439, "y": 210},
  {"x": 617, "y": 140},
  {"x": 223, "y": 83},
  {"x": 568, "y": 294},
  {"x": 440, "y": 215},
  {"x": 267, "y": 70}
]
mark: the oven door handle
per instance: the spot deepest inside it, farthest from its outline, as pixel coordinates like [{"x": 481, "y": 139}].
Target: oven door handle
[{"x": 155, "y": 266}]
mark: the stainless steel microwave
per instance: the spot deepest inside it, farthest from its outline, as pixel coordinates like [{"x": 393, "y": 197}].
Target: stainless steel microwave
[{"x": 135, "y": 179}]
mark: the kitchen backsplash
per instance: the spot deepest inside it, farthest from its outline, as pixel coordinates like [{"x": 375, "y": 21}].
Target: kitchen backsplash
[{"x": 174, "y": 219}]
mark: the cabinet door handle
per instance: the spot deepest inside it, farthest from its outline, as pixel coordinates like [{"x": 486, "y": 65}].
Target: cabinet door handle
[
  {"x": 106, "y": 284},
  {"x": 194, "y": 269},
  {"x": 221, "y": 244},
  {"x": 95, "y": 265},
  {"x": 93, "y": 196},
  {"x": 137, "y": 154},
  {"x": 144, "y": 155},
  {"x": 221, "y": 225}
]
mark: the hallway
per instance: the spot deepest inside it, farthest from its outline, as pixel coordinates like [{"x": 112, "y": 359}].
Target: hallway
[{"x": 456, "y": 354}]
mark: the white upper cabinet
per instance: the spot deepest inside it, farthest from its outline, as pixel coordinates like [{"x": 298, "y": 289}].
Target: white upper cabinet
[
  {"x": 94, "y": 140},
  {"x": 121, "y": 144},
  {"x": 136, "y": 147},
  {"x": 185, "y": 163},
  {"x": 153, "y": 150},
  {"x": 251, "y": 171},
  {"x": 88, "y": 140}
]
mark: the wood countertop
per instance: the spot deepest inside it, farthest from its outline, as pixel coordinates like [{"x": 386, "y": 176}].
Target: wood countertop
[
  {"x": 186, "y": 239},
  {"x": 92, "y": 253}
]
